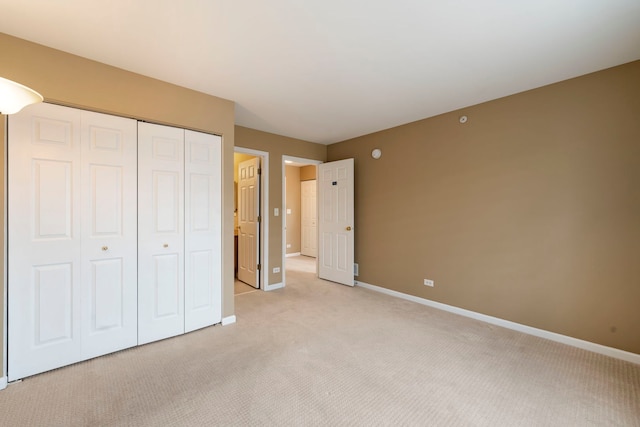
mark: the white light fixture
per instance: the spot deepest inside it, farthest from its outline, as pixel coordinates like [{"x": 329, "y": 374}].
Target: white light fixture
[
  {"x": 14, "y": 96},
  {"x": 376, "y": 153}
]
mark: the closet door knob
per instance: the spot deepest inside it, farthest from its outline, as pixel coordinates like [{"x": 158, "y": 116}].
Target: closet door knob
[
  {"x": 348, "y": 228},
  {"x": 166, "y": 245},
  {"x": 105, "y": 248}
]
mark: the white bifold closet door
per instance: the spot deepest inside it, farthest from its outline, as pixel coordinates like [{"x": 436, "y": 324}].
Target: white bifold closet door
[
  {"x": 72, "y": 237},
  {"x": 203, "y": 230},
  {"x": 179, "y": 225}
]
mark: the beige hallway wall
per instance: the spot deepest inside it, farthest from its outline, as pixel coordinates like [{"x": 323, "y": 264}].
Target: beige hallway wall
[
  {"x": 292, "y": 174},
  {"x": 528, "y": 212},
  {"x": 73, "y": 81}
]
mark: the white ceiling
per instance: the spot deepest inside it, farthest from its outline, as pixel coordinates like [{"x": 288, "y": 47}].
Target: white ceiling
[{"x": 329, "y": 70}]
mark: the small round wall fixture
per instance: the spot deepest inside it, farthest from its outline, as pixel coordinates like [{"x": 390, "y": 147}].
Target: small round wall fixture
[
  {"x": 376, "y": 153},
  {"x": 463, "y": 119}
]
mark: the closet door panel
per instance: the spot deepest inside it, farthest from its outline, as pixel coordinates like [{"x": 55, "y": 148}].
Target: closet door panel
[
  {"x": 160, "y": 232},
  {"x": 203, "y": 246},
  {"x": 109, "y": 234},
  {"x": 44, "y": 287}
]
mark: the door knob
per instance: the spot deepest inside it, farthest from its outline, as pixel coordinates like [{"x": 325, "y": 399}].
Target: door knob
[
  {"x": 105, "y": 248},
  {"x": 166, "y": 245},
  {"x": 349, "y": 228}
]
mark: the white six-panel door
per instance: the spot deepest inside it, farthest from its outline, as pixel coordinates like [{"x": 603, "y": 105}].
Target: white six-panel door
[
  {"x": 108, "y": 234},
  {"x": 248, "y": 227},
  {"x": 43, "y": 240},
  {"x": 203, "y": 244},
  {"x": 335, "y": 222},
  {"x": 160, "y": 232},
  {"x": 67, "y": 299}
]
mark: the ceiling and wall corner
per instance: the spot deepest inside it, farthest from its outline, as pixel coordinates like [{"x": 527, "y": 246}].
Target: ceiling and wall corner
[{"x": 326, "y": 71}]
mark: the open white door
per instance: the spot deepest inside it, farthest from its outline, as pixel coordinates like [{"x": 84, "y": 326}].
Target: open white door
[
  {"x": 248, "y": 219},
  {"x": 335, "y": 221}
]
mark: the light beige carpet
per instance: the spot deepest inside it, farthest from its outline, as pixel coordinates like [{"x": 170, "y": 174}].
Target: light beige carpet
[{"x": 318, "y": 353}]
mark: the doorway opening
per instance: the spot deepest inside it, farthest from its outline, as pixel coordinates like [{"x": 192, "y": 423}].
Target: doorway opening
[
  {"x": 250, "y": 240},
  {"x": 299, "y": 219}
]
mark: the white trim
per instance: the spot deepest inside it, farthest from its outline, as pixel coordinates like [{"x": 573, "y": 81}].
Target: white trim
[
  {"x": 541, "y": 333},
  {"x": 228, "y": 320},
  {"x": 293, "y": 254},
  {"x": 284, "y": 207},
  {"x": 265, "y": 214},
  {"x": 4, "y": 369},
  {"x": 3, "y": 383},
  {"x": 278, "y": 285}
]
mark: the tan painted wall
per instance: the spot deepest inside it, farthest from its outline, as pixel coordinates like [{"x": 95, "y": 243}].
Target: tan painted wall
[
  {"x": 307, "y": 173},
  {"x": 73, "y": 81},
  {"x": 293, "y": 203},
  {"x": 529, "y": 212},
  {"x": 277, "y": 146}
]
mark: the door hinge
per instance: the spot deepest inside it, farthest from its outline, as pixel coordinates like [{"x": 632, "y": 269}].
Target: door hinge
[
  {"x": 259, "y": 267},
  {"x": 259, "y": 171},
  {"x": 259, "y": 218}
]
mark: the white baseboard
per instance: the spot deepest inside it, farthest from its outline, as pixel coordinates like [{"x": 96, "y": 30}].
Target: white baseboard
[
  {"x": 3, "y": 383},
  {"x": 274, "y": 286},
  {"x": 228, "y": 320},
  {"x": 293, "y": 254},
  {"x": 541, "y": 333}
]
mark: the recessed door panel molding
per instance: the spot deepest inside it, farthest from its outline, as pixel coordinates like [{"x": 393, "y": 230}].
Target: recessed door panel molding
[
  {"x": 167, "y": 201},
  {"x": 160, "y": 232},
  {"x": 336, "y": 221},
  {"x": 107, "y": 295},
  {"x": 53, "y": 304},
  {"x": 110, "y": 140},
  {"x": 52, "y": 199},
  {"x": 203, "y": 230},
  {"x": 107, "y": 195}
]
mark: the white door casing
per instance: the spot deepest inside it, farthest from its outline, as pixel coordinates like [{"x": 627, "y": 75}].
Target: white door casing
[
  {"x": 109, "y": 234},
  {"x": 309, "y": 235},
  {"x": 160, "y": 232},
  {"x": 203, "y": 230},
  {"x": 248, "y": 221},
  {"x": 335, "y": 221}
]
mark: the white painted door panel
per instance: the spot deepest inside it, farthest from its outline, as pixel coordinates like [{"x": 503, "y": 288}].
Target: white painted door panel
[
  {"x": 335, "y": 221},
  {"x": 109, "y": 234},
  {"x": 203, "y": 230},
  {"x": 44, "y": 289},
  {"x": 309, "y": 210},
  {"x": 248, "y": 227},
  {"x": 160, "y": 232}
]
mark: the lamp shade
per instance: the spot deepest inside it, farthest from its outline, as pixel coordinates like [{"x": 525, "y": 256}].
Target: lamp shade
[{"x": 14, "y": 96}]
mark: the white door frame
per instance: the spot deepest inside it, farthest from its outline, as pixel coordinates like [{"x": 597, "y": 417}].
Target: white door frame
[
  {"x": 283, "y": 210},
  {"x": 263, "y": 259},
  {"x": 3, "y": 374}
]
